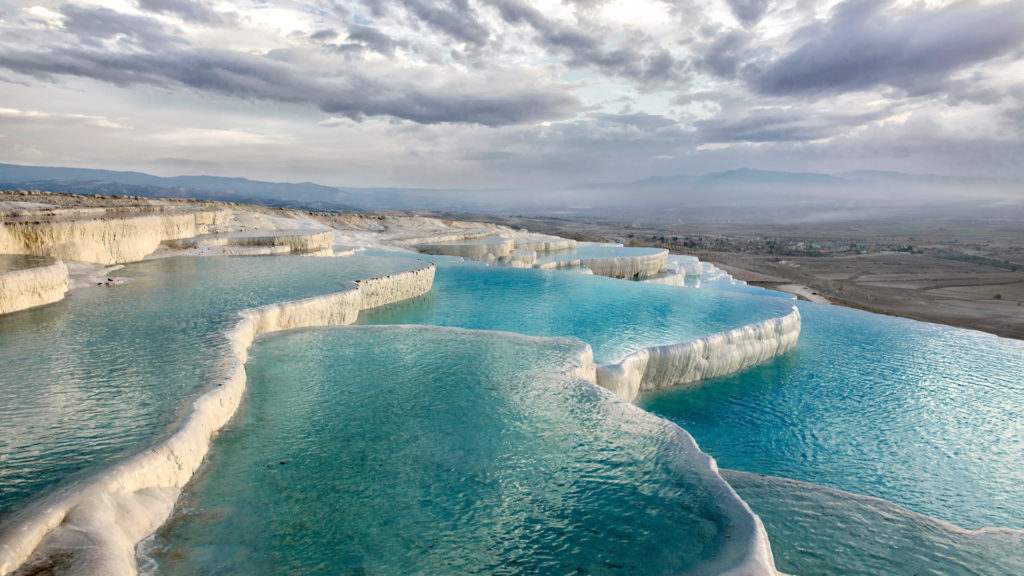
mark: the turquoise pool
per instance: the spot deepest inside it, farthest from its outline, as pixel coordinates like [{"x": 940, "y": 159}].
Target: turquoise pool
[
  {"x": 923, "y": 415},
  {"x": 485, "y": 440},
  {"x": 94, "y": 377},
  {"x": 417, "y": 450},
  {"x": 615, "y": 317}
]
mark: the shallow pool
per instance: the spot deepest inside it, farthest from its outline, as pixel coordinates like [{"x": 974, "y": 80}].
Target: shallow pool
[
  {"x": 111, "y": 368},
  {"x": 417, "y": 450},
  {"x": 615, "y": 317},
  {"x": 927, "y": 416}
]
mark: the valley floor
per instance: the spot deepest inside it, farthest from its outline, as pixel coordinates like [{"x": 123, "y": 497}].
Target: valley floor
[{"x": 914, "y": 286}]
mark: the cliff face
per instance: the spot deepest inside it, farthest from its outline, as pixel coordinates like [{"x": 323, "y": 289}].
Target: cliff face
[
  {"x": 662, "y": 367},
  {"x": 21, "y": 289},
  {"x": 376, "y": 292},
  {"x": 619, "y": 267},
  {"x": 494, "y": 247},
  {"x": 107, "y": 241}
]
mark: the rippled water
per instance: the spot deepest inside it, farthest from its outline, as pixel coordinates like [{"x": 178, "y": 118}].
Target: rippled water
[
  {"x": 816, "y": 531},
  {"x": 613, "y": 316},
  {"x": 94, "y": 376},
  {"x": 926, "y": 416},
  {"x": 384, "y": 450}
]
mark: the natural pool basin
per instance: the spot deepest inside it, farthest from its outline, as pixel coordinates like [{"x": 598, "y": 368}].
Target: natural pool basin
[
  {"x": 94, "y": 377},
  {"x": 613, "y": 316},
  {"x": 926, "y": 416},
  {"x": 417, "y": 450},
  {"x": 824, "y": 532}
]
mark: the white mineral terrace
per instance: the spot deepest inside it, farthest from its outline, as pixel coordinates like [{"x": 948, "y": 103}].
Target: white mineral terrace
[
  {"x": 97, "y": 523},
  {"x": 660, "y": 367},
  {"x": 108, "y": 240},
  {"x": 303, "y": 241},
  {"x": 617, "y": 267},
  {"x": 29, "y": 287},
  {"x": 507, "y": 247}
]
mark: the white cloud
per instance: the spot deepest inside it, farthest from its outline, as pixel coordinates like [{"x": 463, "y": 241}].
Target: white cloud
[{"x": 504, "y": 91}]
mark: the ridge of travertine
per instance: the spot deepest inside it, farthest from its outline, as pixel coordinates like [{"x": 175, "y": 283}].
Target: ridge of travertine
[
  {"x": 95, "y": 525},
  {"x": 98, "y": 524},
  {"x": 660, "y": 367},
  {"x": 30, "y": 287}
]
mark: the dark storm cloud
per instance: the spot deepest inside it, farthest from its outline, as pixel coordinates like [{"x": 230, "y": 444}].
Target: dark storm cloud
[
  {"x": 453, "y": 18},
  {"x": 862, "y": 46},
  {"x": 749, "y": 12},
  {"x": 726, "y": 53},
  {"x": 324, "y": 35},
  {"x": 188, "y": 10},
  {"x": 636, "y": 60},
  {"x": 775, "y": 125},
  {"x": 374, "y": 39},
  {"x": 377, "y": 8},
  {"x": 93, "y": 25},
  {"x": 258, "y": 78}
]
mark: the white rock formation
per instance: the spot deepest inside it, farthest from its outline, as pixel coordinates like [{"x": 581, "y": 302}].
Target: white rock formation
[
  {"x": 542, "y": 242},
  {"x": 521, "y": 258},
  {"x": 488, "y": 248},
  {"x": 111, "y": 240},
  {"x": 619, "y": 267},
  {"x": 255, "y": 250},
  {"x": 298, "y": 241},
  {"x": 660, "y": 367},
  {"x": 96, "y": 524},
  {"x": 29, "y": 287},
  {"x": 383, "y": 290},
  {"x": 668, "y": 277}
]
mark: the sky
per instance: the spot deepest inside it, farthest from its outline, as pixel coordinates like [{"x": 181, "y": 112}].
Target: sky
[{"x": 531, "y": 94}]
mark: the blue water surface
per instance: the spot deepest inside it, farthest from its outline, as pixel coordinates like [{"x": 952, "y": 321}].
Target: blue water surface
[
  {"x": 417, "y": 450},
  {"x": 927, "y": 416},
  {"x": 109, "y": 369},
  {"x": 615, "y": 317}
]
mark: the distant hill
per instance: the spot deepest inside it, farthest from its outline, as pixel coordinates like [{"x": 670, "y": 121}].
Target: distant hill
[{"x": 740, "y": 194}]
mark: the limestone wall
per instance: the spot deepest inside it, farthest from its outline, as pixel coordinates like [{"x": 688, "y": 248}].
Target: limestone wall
[
  {"x": 483, "y": 249},
  {"x": 207, "y": 219},
  {"x": 397, "y": 287},
  {"x": 444, "y": 237},
  {"x": 312, "y": 241},
  {"x": 21, "y": 289},
  {"x": 662, "y": 367},
  {"x": 539, "y": 243},
  {"x": 113, "y": 240},
  {"x": 621, "y": 267},
  {"x": 669, "y": 278}
]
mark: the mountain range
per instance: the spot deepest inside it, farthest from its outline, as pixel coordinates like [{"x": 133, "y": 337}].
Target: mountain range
[{"x": 735, "y": 192}]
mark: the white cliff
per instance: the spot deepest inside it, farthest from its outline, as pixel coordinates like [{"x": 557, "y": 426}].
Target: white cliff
[
  {"x": 487, "y": 248},
  {"x": 616, "y": 267},
  {"x": 660, "y": 367},
  {"x": 29, "y": 287},
  {"x": 107, "y": 240}
]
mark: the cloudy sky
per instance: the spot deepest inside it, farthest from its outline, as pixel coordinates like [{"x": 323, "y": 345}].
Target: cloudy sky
[{"x": 512, "y": 93}]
